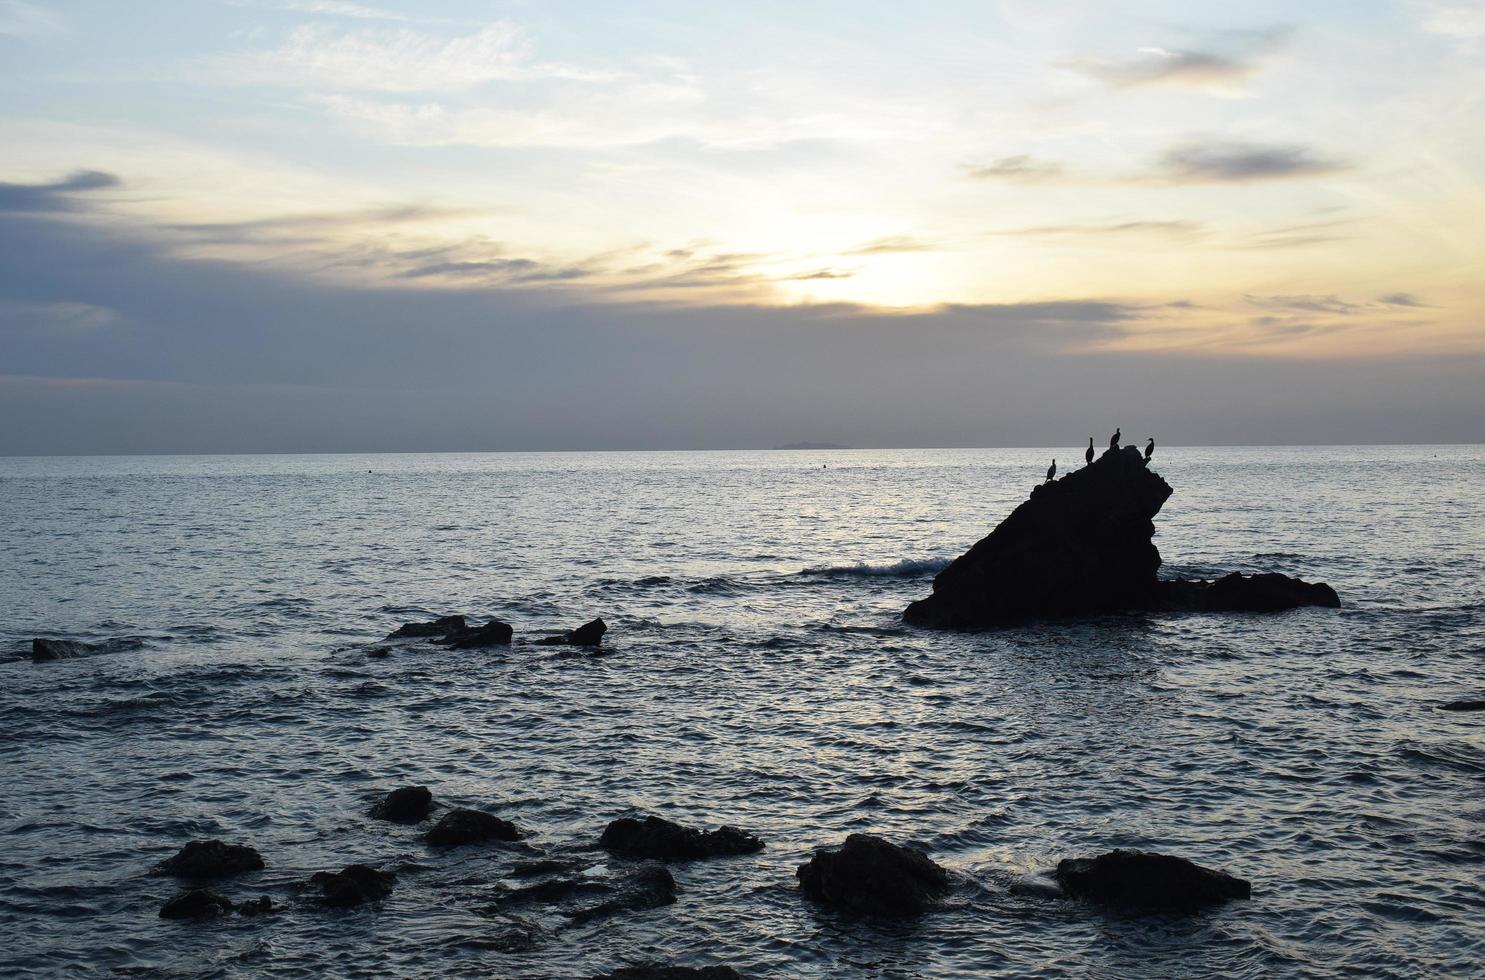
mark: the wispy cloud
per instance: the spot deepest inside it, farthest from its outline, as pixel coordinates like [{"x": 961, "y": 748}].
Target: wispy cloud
[
  {"x": 1228, "y": 161},
  {"x": 1166, "y": 229},
  {"x": 1165, "y": 66},
  {"x": 1019, "y": 168},
  {"x": 1464, "y": 20},
  {"x": 321, "y": 58},
  {"x": 27, "y": 20},
  {"x": 891, "y": 245}
]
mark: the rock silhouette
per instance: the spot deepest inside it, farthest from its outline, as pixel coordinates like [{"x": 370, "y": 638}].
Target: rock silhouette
[
  {"x": 443, "y": 626},
  {"x": 1463, "y": 706},
  {"x": 1082, "y": 546},
  {"x": 870, "y": 876},
  {"x": 583, "y": 897},
  {"x": 493, "y": 633},
  {"x": 410, "y": 804},
  {"x": 354, "y": 884},
  {"x": 662, "y": 840},
  {"x": 464, "y": 826},
  {"x": 589, "y": 634},
  {"x": 202, "y": 859},
  {"x": 1135, "y": 881}
]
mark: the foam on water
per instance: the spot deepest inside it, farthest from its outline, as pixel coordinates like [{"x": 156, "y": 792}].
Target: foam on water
[{"x": 757, "y": 675}]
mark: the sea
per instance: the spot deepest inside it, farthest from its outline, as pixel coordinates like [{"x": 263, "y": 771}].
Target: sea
[{"x": 756, "y": 673}]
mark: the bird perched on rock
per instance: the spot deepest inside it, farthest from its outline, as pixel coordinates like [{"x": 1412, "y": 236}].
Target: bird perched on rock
[
  {"x": 1089, "y": 454},
  {"x": 1114, "y": 440},
  {"x": 1052, "y": 471},
  {"x": 1149, "y": 449}
]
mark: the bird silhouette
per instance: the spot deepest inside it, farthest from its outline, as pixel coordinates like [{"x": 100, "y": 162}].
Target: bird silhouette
[
  {"x": 1114, "y": 440},
  {"x": 1089, "y": 454},
  {"x": 1052, "y": 471},
  {"x": 1150, "y": 449}
]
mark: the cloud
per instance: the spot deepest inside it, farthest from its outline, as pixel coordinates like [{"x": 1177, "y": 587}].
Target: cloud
[
  {"x": 399, "y": 60},
  {"x": 1299, "y": 235},
  {"x": 1401, "y": 299},
  {"x": 821, "y": 274},
  {"x": 1020, "y": 168},
  {"x": 1227, "y": 161},
  {"x": 27, "y": 20},
  {"x": 1163, "y": 66},
  {"x": 308, "y": 228},
  {"x": 56, "y": 195},
  {"x": 892, "y": 245},
  {"x": 1306, "y": 304}
]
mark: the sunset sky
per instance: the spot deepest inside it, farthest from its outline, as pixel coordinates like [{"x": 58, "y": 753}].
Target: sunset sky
[{"x": 318, "y": 225}]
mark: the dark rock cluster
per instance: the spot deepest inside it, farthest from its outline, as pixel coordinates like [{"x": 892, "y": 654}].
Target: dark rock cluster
[
  {"x": 1082, "y": 546},
  {"x": 456, "y": 633},
  {"x": 870, "y": 876},
  {"x": 662, "y": 840}
]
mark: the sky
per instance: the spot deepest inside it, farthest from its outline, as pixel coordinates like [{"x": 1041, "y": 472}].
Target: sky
[{"x": 325, "y": 225}]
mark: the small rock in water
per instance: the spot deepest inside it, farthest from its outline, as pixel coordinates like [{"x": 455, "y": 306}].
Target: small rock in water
[
  {"x": 210, "y": 859},
  {"x": 1463, "y": 706},
  {"x": 438, "y": 627},
  {"x": 352, "y": 885},
  {"x": 871, "y": 876},
  {"x": 671, "y": 973},
  {"x": 589, "y": 634},
  {"x": 198, "y": 903},
  {"x": 663, "y": 840},
  {"x": 378, "y": 653},
  {"x": 465, "y": 826},
  {"x": 593, "y": 895},
  {"x": 1135, "y": 881},
  {"x": 648, "y": 888},
  {"x": 259, "y": 906},
  {"x": 1264, "y": 592},
  {"x": 409, "y": 804},
  {"x": 493, "y": 633}
]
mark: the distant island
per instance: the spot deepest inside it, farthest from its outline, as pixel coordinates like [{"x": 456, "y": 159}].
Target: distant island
[{"x": 812, "y": 445}]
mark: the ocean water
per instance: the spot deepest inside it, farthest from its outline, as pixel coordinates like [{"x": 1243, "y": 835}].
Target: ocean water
[{"x": 756, "y": 674}]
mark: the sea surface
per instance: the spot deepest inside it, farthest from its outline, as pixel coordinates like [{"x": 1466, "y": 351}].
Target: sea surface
[{"x": 756, "y": 673}]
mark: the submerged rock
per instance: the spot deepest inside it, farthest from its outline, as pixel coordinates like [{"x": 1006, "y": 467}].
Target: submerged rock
[
  {"x": 210, "y": 859},
  {"x": 671, "y": 973},
  {"x": 587, "y": 896},
  {"x": 493, "y": 633},
  {"x": 465, "y": 826},
  {"x": 409, "y": 804},
  {"x": 198, "y": 903},
  {"x": 1463, "y": 706},
  {"x": 353, "y": 885},
  {"x": 259, "y": 906},
  {"x": 590, "y": 634},
  {"x": 44, "y": 649},
  {"x": 871, "y": 876},
  {"x": 662, "y": 840},
  {"x": 1264, "y": 592},
  {"x": 1082, "y": 546},
  {"x": 443, "y": 626},
  {"x": 1136, "y": 881}
]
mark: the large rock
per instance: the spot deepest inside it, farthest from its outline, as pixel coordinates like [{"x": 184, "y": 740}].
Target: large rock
[
  {"x": 44, "y": 649},
  {"x": 1079, "y": 546},
  {"x": 662, "y": 840},
  {"x": 590, "y": 634},
  {"x": 493, "y": 633},
  {"x": 444, "y": 626},
  {"x": 1264, "y": 592},
  {"x": 464, "y": 826},
  {"x": 410, "y": 804},
  {"x": 870, "y": 876},
  {"x": 354, "y": 884},
  {"x": 1136, "y": 881},
  {"x": 202, "y": 859}
]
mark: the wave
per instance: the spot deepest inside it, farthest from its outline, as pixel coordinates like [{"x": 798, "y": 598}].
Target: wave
[{"x": 906, "y": 568}]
